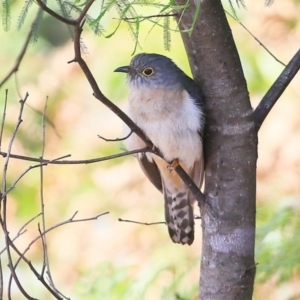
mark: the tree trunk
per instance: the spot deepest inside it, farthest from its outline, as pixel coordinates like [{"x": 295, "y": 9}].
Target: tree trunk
[{"x": 230, "y": 147}]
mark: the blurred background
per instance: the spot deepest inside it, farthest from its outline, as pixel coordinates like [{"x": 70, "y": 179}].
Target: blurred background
[{"x": 106, "y": 258}]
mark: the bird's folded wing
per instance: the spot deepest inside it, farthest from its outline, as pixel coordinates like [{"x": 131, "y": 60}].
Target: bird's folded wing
[{"x": 151, "y": 171}]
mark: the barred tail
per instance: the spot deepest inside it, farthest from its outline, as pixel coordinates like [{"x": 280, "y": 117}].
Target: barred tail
[{"x": 179, "y": 217}]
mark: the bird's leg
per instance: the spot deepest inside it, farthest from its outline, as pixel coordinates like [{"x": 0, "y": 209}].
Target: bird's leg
[
  {"x": 154, "y": 148},
  {"x": 172, "y": 166}
]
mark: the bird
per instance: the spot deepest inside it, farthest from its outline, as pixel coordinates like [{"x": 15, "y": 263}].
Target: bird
[{"x": 166, "y": 104}]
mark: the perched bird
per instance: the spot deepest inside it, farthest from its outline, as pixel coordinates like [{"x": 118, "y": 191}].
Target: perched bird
[{"x": 166, "y": 104}]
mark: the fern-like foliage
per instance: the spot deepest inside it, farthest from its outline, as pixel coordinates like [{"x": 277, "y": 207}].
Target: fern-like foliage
[
  {"x": 63, "y": 7},
  {"x": 23, "y": 14},
  {"x": 94, "y": 24},
  {"x": 239, "y": 3},
  {"x": 126, "y": 11},
  {"x": 37, "y": 25},
  {"x": 6, "y": 15}
]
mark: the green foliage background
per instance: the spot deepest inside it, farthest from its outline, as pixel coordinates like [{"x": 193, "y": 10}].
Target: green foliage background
[{"x": 108, "y": 259}]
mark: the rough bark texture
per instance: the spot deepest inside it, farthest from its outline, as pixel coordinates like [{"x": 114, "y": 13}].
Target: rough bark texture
[{"x": 228, "y": 222}]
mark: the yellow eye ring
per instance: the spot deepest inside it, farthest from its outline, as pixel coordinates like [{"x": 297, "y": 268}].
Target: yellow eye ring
[{"x": 148, "y": 71}]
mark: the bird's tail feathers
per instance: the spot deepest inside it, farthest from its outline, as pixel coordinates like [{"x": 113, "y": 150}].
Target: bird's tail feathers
[{"x": 179, "y": 217}]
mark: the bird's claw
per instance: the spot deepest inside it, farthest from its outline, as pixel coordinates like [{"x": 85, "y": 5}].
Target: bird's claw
[{"x": 173, "y": 164}]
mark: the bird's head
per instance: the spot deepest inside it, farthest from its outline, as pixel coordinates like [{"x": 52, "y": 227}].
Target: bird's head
[{"x": 152, "y": 71}]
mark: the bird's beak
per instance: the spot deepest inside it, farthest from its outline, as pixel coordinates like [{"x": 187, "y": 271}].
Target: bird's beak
[{"x": 124, "y": 69}]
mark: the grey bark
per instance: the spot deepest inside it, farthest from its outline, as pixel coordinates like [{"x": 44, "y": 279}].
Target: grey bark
[{"x": 230, "y": 147}]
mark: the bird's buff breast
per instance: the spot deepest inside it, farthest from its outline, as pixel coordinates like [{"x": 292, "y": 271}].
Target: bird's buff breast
[{"x": 170, "y": 119}]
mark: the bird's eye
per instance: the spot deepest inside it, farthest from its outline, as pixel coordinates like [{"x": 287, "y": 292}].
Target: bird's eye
[{"x": 148, "y": 71}]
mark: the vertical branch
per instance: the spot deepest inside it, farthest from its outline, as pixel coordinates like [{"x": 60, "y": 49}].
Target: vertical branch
[
  {"x": 3, "y": 118},
  {"x": 3, "y": 216},
  {"x": 46, "y": 262},
  {"x": 43, "y": 237},
  {"x": 1, "y": 136},
  {"x": 230, "y": 145}
]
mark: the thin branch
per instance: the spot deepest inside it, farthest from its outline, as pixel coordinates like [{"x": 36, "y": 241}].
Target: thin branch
[
  {"x": 84, "y": 11},
  {"x": 54, "y": 14},
  {"x": 151, "y": 223},
  {"x": 46, "y": 263},
  {"x": 68, "y": 221},
  {"x": 23, "y": 174},
  {"x": 35, "y": 272},
  {"x": 20, "y": 56},
  {"x": 22, "y": 255},
  {"x": 143, "y": 18},
  {"x": 21, "y": 231},
  {"x": 190, "y": 184},
  {"x": 44, "y": 244},
  {"x": 3, "y": 220},
  {"x": 276, "y": 90},
  {"x": 3, "y": 118},
  {"x": 75, "y": 162},
  {"x": 259, "y": 42},
  {"x": 42, "y": 237},
  {"x": 19, "y": 121},
  {"x": 10, "y": 263},
  {"x": 117, "y": 139},
  {"x": 142, "y": 223}
]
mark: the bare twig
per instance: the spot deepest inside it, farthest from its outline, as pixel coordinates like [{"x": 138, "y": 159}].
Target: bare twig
[
  {"x": 3, "y": 118},
  {"x": 35, "y": 272},
  {"x": 259, "y": 42},
  {"x": 3, "y": 217},
  {"x": 142, "y": 223},
  {"x": 151, "y": 223},
  {"x": 42, "y": 237},
  {"x": 276, "y": 90},
  {"x": 68, "y": 221},
  {"x": 117, "y": 139},
  {"x": 143, "y": 18},
  {"x": 21, "y": 231},
  {"x": 74, "y": 162},
  {"x": 25, "y": 172},
  {"x": 22, "y": 254},
  {"x": 20, "y": 57},
  {"x": 46, "y": 263},
  {"x": 19, "y": 121}
]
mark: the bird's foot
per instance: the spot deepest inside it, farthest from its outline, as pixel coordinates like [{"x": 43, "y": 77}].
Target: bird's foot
[{"x": 173, "y": 164}]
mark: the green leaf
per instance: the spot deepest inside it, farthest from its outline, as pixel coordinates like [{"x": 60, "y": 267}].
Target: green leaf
[{"x": 6, "y": 15}]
